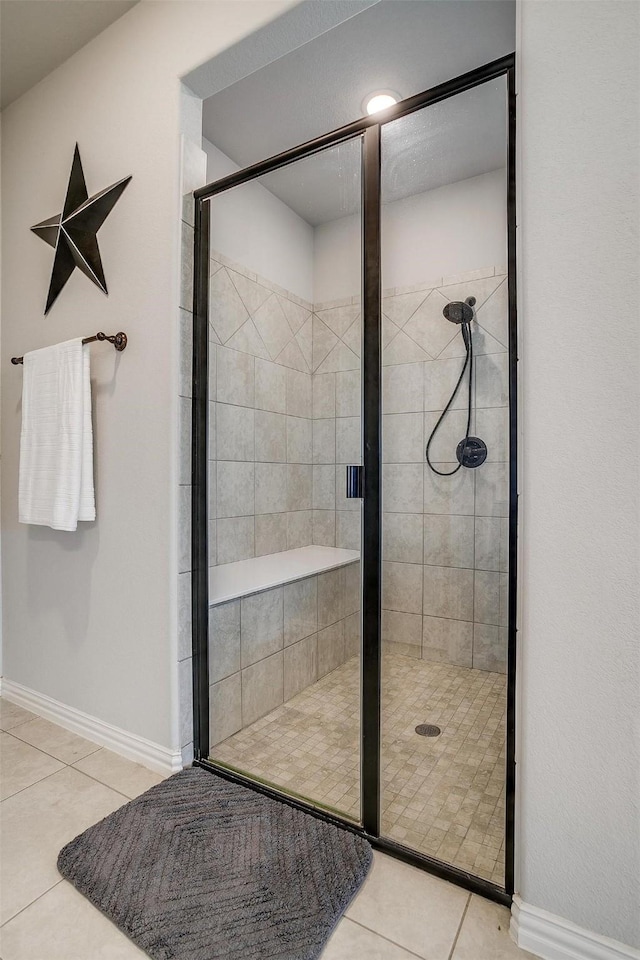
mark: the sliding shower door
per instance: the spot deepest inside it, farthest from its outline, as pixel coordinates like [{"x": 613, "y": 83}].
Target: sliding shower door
[
  {"x": 284, "y": 422},
  {"x": 445, "y": 491}
]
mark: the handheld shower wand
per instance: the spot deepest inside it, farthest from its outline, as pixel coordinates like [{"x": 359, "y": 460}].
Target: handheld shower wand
[{"x": 471, "y": 451}]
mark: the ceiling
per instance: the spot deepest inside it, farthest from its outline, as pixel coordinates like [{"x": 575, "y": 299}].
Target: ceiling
[
  {"x": 401, "y": 45},
  {"x": 459, "y": 138},
  {"x": 36, "y": 36}
]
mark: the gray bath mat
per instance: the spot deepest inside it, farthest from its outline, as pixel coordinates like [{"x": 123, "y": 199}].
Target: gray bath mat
[{"x": 198, "y": 868}]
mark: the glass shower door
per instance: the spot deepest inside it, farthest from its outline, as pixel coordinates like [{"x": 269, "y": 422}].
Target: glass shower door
[
  {"x": 284, "y": 415},
  {"x": 384, "y": 697},
  {"x": 445, "y": 496}
]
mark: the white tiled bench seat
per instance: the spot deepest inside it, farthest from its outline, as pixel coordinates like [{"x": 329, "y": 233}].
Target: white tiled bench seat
[{"x": 277, "y": 624}]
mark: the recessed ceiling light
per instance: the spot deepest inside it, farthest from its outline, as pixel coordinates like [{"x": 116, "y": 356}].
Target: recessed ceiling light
[{"x": 381, "y": 100}]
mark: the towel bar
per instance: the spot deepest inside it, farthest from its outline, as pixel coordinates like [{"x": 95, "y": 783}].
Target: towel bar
[{"x": 119, "y": 340}]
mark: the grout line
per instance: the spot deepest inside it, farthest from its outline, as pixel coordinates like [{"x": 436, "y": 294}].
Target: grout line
[
  {"x": 462, "y": 919},
  {"x": 40, "y": 750},
  {"x": 64, "y": 763},
  {"x": 60, "y": 727},
  {"x": 101, "y": 782},
  {"x": 34, "y": 747},
  {"x": 20, "y": 722},
  {"x": 37, "y": 782},
  {"x": 382, "y": 937},
  {"x": 39, "y": 897}
]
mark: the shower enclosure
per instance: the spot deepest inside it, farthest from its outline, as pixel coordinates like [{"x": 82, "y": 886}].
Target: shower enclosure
[{"x": 354, "y": 477}]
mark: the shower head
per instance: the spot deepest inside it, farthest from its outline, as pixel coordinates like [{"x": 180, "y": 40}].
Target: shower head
[{"x": 460, "y": 312}]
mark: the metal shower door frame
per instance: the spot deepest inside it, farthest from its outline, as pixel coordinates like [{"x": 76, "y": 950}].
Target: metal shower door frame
[{"x": 369, "y": 130}]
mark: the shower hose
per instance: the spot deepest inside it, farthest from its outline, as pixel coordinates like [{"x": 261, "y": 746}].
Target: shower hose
[{"x": 468, "y": 362}]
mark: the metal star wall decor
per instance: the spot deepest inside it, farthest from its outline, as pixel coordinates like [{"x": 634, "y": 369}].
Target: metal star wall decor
[{"x": 72, "y": 233}]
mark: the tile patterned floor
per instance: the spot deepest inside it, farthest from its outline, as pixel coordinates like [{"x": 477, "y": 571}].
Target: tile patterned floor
[
  {"x": 400, "y": 913},
  {"x": 442, "y": 796}
]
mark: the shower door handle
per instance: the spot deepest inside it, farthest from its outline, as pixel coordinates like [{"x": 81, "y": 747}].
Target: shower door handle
[{"x": 354, "y": 482}]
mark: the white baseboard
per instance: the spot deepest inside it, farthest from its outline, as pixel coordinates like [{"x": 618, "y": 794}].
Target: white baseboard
[
  {"x": 554, "y": 938},
  {"x": 128, "y": 745}
]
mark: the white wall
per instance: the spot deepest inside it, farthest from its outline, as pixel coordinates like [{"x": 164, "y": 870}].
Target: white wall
[
  {"x": 442, "y": 232},
  {"x": 579, "y": 753},
  {"x": 90, "y": 618},
  {"x": 337, "y": 259},
  {"x": 252, "y": 226}
]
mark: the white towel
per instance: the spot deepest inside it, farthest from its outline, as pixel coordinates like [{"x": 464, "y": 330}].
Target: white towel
[{"x": 56, "y": 442}]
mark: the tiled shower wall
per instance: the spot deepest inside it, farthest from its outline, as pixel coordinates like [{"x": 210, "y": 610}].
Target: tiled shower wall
[
  {"x": 269, "y": 646},
  {"x": 445, "y": 539},
  {"x": 284, "y": 417},
  {"x": 285, "y": 421},
  {"x": 260, "y": 416},
  {"x": 336, "y": 421}
]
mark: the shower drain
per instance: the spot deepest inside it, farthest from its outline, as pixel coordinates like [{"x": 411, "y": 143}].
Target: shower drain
[{"x": 428, "y": 730}]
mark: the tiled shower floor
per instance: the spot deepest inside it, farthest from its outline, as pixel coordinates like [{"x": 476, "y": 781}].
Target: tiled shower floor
[{"x": 442, "y": 796}]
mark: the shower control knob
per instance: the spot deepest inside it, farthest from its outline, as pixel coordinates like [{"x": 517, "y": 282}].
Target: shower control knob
[{"x": 471, "y": 452}]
